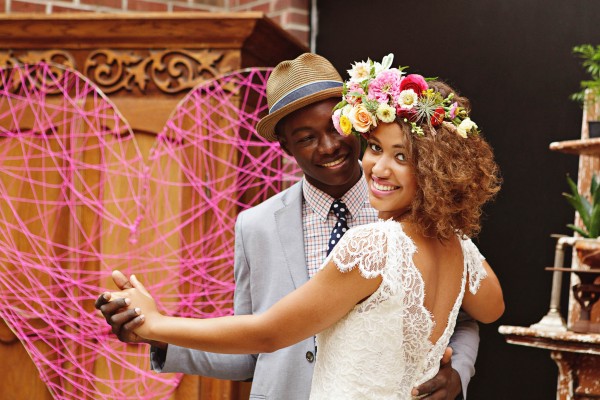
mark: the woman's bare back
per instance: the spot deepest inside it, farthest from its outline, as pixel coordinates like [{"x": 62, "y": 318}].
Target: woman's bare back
[{"x": 441, "y": 265}]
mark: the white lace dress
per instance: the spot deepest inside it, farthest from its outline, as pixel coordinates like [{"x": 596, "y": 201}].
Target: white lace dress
[{"x": 381, "y": 348}]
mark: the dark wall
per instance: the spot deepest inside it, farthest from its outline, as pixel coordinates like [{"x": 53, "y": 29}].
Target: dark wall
[{"x": 513, "y": 59}]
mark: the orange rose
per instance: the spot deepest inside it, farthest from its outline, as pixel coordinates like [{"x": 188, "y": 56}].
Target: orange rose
[{"x": 362, "y": 120}]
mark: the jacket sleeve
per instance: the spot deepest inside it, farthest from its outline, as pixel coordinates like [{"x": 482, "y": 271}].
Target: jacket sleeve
[
  {"x": 465, "y": 344},
  {"x": 214, "y": 365}
]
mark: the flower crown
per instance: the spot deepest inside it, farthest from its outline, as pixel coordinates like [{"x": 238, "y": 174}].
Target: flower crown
[{"x": 376, "y": 92}]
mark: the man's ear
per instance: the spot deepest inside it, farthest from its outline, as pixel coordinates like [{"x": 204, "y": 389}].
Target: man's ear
[
  {"x": 284, "y": 148},
  {"x": 283, "y": 144}
]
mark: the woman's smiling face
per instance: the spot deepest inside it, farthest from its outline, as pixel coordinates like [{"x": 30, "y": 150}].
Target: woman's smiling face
[{"x": 389, "y": 173}]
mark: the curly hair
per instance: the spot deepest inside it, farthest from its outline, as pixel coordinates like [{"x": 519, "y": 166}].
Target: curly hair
[{"x": 455, "y": 176}]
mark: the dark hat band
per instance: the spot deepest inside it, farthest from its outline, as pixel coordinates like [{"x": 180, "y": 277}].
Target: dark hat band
[{"x": 303, "y": 91}]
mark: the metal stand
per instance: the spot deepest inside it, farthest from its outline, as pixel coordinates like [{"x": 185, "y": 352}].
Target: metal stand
[{"x": 553, "y": 321}]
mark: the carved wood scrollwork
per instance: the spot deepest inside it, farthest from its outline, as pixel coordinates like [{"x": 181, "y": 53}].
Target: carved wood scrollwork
[
  {"x": 168, "y": 71},
  {"x": 60, "y": 57},
  {"x": 55, "y": 56},
  {"x": 171, "y": 71}
]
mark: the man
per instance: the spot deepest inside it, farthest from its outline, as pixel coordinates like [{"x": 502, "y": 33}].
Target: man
[{"x": 282, "y": 242}]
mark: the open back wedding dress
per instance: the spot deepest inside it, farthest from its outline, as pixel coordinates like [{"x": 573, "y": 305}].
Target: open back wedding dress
[{"x": 381, "y": 348}]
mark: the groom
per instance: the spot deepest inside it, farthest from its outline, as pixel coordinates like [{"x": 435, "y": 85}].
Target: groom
[{"x": 282, "y": 242}]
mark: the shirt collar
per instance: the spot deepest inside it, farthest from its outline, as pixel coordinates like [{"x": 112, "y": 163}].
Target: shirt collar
[{"x": 320, "y": 202}]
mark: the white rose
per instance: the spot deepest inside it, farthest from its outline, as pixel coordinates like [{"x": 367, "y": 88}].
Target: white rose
[{"x": 465, "y": 127}]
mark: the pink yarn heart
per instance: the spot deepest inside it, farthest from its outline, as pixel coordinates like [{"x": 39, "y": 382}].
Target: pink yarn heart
[{"x": 82, "y": 195}]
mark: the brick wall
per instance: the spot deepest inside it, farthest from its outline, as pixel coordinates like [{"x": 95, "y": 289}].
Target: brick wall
[{"x": 292, "y": 15}]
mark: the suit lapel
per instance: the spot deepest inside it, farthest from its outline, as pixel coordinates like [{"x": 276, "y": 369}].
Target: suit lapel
[{"x": 288, "y": 220}]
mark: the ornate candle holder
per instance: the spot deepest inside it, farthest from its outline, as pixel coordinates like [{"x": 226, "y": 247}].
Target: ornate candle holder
[{"x": 587, "y": 294}]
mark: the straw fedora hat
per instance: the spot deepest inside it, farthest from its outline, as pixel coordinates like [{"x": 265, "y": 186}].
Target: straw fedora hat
[{"x": 296, "y": 83}]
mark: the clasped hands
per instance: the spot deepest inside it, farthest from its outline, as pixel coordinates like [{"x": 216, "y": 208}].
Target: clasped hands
[
  {"x": 130, "y": 313},
  {"x": 133, "y": 298}
]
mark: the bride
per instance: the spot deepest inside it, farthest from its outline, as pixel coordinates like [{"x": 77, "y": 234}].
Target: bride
[{"x": 385, "y": 301}]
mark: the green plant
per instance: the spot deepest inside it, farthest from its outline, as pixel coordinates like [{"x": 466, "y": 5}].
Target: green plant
[
  {"x": 589, "y": 210},
  {"x": 591, "y": 62}
]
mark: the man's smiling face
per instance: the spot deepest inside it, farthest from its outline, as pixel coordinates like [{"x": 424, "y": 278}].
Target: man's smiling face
[{"x": 329, "y": 160}]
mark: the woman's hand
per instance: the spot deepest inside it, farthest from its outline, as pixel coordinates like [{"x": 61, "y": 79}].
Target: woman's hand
[{"x": 139, "y": 300}]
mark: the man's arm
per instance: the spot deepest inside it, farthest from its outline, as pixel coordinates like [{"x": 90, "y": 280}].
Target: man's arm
[{"x": 465, "y": 345}]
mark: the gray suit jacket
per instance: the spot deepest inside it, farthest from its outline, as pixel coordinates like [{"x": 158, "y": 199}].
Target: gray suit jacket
[{"x": 269, "y": 264}]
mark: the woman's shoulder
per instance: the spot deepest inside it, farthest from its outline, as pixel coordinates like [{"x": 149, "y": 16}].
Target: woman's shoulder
[
  {"x": 374, "y": 239},
  {"x": 380, "y": 226},
  {"x": 469, "y": 248},
  {"x": 473, "y": 262}
]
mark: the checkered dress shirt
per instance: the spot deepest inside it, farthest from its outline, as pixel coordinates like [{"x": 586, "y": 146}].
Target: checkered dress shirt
[{"x": 318, "y": 219}]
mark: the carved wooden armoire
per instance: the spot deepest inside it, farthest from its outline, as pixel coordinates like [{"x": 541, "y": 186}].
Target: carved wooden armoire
[{"x": 145, "y": 64}]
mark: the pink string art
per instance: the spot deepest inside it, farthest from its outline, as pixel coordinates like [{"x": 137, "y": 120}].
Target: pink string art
[{"x": 82, "y": 195}]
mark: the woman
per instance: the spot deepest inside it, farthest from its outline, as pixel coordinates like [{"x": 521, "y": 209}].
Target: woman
[{"x": 385, "y": 301}]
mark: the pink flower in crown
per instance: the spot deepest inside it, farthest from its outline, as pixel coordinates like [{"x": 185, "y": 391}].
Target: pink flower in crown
[
  {"x": 354, "y": 93},
  {"x": 415, "y": 82},
  {"x": 336, "y": 120},
  {"x": 385, "y": 86},
  {"x": 453, "y": 110}
]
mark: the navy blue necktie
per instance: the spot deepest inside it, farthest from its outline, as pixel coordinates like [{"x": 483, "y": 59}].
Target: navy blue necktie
[{"x": 341, "y": 226}]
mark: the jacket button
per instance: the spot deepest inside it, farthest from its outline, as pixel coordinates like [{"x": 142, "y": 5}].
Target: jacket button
[{"x": 310, "y": 357}]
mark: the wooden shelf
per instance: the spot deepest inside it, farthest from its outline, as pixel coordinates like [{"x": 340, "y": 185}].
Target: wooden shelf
[
  {"x": 594, "y": 271},
  {"x": 589, "y": 147},
  {"x": 576, "y": 354},
  {"x": 587, "y": 343}
]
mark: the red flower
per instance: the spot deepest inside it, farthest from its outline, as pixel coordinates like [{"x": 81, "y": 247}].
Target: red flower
[
  {"x": 410, "y": 114},
  {"x": 438, "y": 116},
  {"x": 415, "y": 82}
]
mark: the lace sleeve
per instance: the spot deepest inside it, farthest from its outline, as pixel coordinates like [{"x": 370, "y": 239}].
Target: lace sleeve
[
  {"x": 474, "y": 262},
  {"x": 363, "y": 246}
]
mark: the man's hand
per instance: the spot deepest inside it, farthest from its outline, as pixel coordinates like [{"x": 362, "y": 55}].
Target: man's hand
[
  {"x": 446, "y": 385},
  {"x": 122, "y": 321},
  {"x": 139, "y": 299}
]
